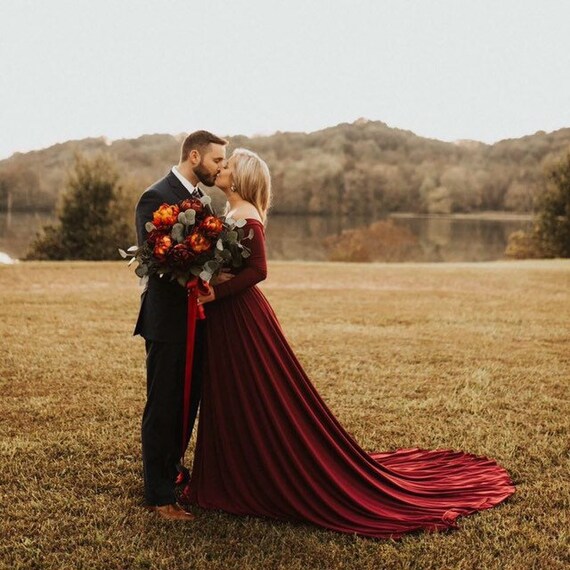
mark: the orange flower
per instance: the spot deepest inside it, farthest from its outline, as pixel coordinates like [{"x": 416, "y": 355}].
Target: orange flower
[
  {"x": 162, "y": 246},
  {"x": 198, "y": 243},
  {"x": 212, "y": 226},
  {"x": 165, "y": 216}
]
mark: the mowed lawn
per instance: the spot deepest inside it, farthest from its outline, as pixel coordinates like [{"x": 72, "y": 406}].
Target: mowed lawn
[{"x": 466, "y": 356}]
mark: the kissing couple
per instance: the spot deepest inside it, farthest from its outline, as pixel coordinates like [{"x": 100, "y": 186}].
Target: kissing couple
[{"x": 267, "y": 444}]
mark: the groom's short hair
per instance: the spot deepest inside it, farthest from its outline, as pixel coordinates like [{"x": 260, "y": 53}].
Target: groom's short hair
[{"x": 199, "y": 140}]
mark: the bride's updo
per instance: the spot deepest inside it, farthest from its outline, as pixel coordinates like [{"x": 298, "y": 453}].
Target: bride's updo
[{"x": 251, "y": 180}]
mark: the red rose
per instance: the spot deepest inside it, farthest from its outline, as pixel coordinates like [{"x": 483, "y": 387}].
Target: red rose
[
  {"x": 198, "y": 242},
  {"x": 166, "y": 216},
  {"x": 162, "y": 246},
  {"x": 180, "y": 255},
  {"x": 212, "y": 226}
]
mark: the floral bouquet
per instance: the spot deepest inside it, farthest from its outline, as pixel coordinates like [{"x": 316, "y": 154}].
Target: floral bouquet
[{"x": 186, "y": 241}]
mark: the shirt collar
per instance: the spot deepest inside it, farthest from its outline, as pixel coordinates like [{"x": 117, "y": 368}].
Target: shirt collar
[{"x": 183, "y": 180}]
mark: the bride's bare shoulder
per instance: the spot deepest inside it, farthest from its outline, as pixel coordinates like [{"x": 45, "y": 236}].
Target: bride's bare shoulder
[{"x": 245, "y": 211}]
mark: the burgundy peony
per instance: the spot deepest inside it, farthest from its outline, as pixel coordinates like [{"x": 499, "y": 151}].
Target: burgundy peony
[
  {"x": 180, "y": 256},
  {"x": 192, "y": 204},
  {"x": 154, "y": 235}
]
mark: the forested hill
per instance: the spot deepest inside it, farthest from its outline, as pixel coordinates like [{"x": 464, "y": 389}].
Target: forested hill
[{"x": 361, "y": 168}]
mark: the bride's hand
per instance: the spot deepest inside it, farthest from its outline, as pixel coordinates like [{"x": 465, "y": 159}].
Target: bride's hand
[{"x": 211, "y": 296}]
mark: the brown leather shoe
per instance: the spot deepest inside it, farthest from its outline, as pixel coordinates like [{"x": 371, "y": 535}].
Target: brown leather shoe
[{"x": 173, "y": 512}]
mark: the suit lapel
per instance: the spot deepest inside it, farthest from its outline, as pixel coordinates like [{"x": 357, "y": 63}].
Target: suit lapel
[{"x": 177, "y": 186}]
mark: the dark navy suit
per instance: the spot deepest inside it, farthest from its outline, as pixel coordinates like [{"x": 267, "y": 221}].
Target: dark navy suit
[{"x": 162, "y": 323}]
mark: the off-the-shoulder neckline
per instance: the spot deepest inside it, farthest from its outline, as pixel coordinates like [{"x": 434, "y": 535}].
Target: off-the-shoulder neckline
[{"x": 254, "y": 220}]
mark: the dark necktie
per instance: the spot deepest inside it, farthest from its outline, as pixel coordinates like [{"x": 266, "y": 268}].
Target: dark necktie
[{"x": 196, "y": 193}]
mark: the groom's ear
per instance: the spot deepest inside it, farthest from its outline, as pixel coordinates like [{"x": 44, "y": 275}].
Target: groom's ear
[{"x": 194, "y": 157}]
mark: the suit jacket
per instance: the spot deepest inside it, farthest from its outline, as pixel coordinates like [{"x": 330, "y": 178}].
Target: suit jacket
[{"x": 164, "y": 303}]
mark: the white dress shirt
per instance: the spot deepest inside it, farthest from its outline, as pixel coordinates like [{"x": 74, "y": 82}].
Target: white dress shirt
[{"x": 185, "y": 182}]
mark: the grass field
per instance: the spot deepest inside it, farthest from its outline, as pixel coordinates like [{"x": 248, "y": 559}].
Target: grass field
[{"x": 467, "y": 356}]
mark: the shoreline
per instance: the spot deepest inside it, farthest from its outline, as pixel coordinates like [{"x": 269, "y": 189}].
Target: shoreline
[{"x": 491, "y": 215}]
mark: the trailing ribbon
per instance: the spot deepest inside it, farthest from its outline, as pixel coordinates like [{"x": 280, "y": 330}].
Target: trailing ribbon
[{"x": 194, "y": 287}]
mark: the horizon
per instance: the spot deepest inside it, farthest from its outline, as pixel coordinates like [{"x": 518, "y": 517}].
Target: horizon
[{"x": 109, "y": 141}]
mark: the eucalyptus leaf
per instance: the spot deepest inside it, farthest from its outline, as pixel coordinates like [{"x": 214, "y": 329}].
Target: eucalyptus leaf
[
  {"x": 141, "y": 270},
  {"x": 190, "y": 217},
  {"x": 123, "y": 253},
  {"x": 220, "y": 245},
  {"x": 245, "y": 253},
  {"x": 178, "y": 232},
  {"x": 241, "y": 223},
  {"x": 133, "y": 248},
  {"x": 149, "y": 227},
  {"x": 131, "y": 261},
  {"x": 231, "y": 222},
  {"x": 250, "y": 234},
  {"x": 236, "y": 257},
  {"x": 205, "y": 276},
  {"x": 182, "y": 280},
  {"x": 206, "y": 200},
  {"x": 195, "y": 271},
  {"x": 182, "y": 218},
  {"x": 232, "y": 236}
]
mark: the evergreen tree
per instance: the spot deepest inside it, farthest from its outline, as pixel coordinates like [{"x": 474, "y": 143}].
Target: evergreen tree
[
  {"x": 94, "y": 218},
  {"x": 550, "y": 236},
  {"x": 553, "y": 220}
]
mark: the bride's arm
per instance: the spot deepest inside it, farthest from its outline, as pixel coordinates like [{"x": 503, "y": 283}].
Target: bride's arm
[{"x": 254, "y": 271}]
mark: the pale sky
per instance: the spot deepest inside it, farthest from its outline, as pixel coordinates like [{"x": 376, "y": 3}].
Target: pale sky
[{"x": 447, "y": 69}]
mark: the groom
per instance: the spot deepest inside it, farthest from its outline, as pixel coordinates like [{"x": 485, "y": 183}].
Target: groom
[{"x": 162, "y": 323}]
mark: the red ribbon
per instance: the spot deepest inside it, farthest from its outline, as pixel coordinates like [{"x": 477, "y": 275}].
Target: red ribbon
[{"x": 195, "y": 287}]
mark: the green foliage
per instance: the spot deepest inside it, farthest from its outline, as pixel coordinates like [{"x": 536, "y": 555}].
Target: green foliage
[{"x": 94, "y": 216}]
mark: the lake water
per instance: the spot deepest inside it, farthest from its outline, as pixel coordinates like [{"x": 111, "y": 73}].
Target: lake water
[{"x": 301, "y": 237}]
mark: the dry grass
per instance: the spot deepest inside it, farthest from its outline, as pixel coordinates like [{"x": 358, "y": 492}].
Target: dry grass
[{"x": 468, "y": 356}]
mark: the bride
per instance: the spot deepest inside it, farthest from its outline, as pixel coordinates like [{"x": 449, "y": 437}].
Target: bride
[{"x": 267, "y": 443}]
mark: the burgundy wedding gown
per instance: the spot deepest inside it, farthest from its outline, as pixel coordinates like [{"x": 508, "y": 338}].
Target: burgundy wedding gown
[{"x": 269, "y": 446}]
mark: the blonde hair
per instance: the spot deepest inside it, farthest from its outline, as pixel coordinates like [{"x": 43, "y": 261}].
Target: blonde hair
[{"x": 252, "y": 180}]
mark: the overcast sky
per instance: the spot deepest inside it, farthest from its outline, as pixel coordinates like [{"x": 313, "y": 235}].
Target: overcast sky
[{"x": 447, "y": 69}]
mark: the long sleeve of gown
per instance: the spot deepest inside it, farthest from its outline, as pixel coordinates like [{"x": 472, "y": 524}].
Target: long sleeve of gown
[{"x": 255, "y": 266}]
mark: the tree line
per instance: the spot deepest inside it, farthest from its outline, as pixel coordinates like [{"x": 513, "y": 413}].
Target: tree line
[
  {"x": 95, "y": 218},
  {"x": 364, "y": 168}
]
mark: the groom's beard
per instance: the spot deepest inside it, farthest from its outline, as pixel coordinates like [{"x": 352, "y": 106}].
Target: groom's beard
[{"x": 204, "y": 176}]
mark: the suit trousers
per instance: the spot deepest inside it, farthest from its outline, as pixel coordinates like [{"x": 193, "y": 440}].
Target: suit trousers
[{"x": 162, "y": 420}]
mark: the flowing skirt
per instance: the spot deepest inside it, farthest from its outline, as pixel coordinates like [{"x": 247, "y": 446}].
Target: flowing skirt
[{"x": 269, "y": 446}]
